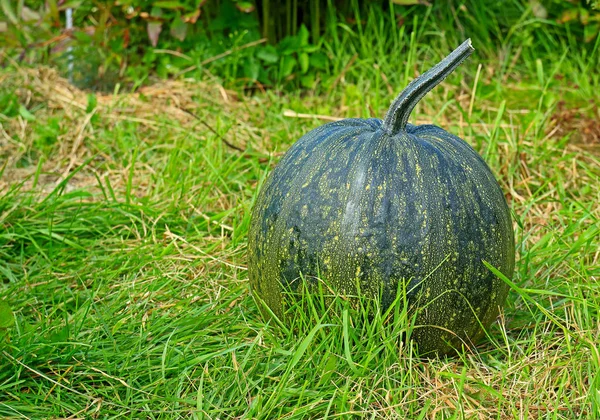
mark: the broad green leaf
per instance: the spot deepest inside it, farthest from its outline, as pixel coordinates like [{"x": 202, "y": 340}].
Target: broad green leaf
[
  {"x": 304, "y": 62},
  {"x": 318, "y": 60},
  {"x": 303, "y": 36},
  {"x": 289, "y": 45},
  {"x": 251, "y": 69},
  {"x": 268, "y": 54},
  {"x": 287, "y": 66},
  {"x": 7, "y": 318},
  {"x": 308, "y": 80},
  {"x": 310, "y": 48}
]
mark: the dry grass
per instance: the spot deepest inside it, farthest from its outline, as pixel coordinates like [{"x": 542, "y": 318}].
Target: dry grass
[
  {"x": 152, "y": 109},
  {"x": 160, "y": 319}
]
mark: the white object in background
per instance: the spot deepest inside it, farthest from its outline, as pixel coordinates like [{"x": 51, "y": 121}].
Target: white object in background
[{"x": 69, "y": 27}]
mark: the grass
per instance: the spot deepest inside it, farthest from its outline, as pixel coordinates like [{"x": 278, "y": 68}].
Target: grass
[{"x": 123, "y": 232}]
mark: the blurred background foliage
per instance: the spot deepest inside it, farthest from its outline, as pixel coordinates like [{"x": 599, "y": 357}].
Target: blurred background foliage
[{"x": 262, "y": 44}]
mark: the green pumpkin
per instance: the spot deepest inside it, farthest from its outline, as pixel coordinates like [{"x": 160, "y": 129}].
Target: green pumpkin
[{"x": 367, "y": 205}]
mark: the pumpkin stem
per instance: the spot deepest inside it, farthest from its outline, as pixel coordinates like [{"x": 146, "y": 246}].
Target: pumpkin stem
[{"x": 397, "y": 116}]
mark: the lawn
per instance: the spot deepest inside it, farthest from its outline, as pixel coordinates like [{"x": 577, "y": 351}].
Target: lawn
[{"x": 123, "y": 225}]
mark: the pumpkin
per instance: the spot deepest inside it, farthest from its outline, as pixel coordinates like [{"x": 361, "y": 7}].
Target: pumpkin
[{"x": 373, "y": 207}]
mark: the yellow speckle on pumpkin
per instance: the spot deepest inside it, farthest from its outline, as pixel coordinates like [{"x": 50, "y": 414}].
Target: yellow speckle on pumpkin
[{"x": 304, "y": 210}]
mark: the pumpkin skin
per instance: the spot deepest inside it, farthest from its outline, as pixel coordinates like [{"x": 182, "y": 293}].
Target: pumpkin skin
[{"x": 367, "y": 205}]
